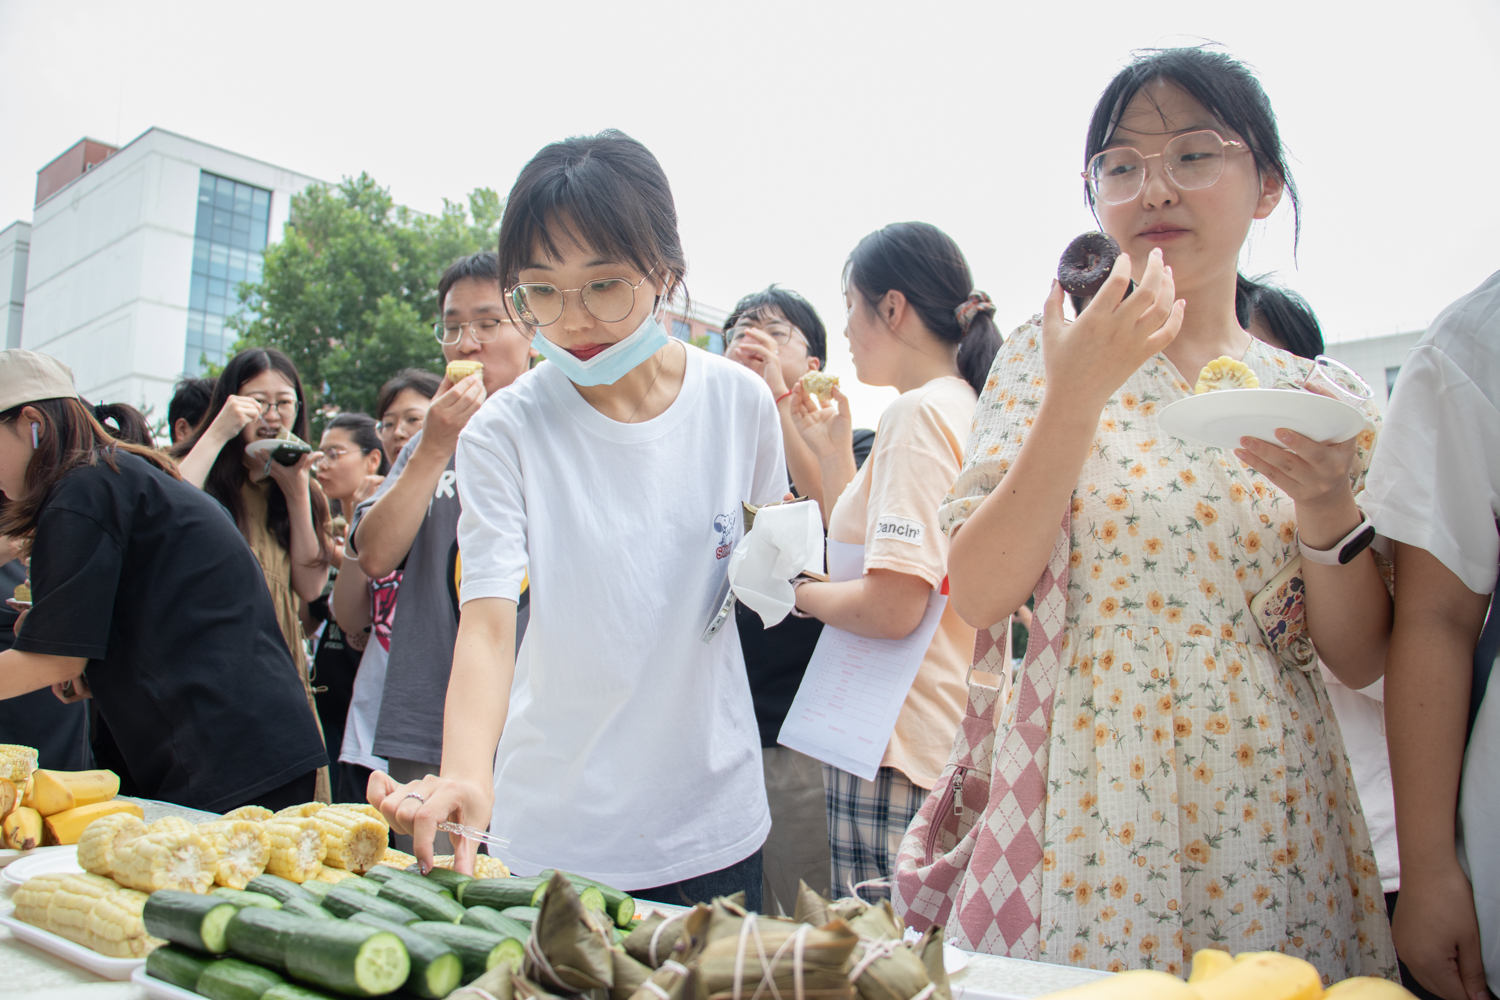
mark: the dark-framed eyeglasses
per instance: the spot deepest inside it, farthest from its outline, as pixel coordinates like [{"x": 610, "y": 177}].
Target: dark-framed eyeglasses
[
  {"x": 1192, "y": 161},
  {"x": 286, "y": 409},
  {"x": 609, "y": 300},
  {"x": 483, "y": 330},
  {"x": 778, "y": 330}
]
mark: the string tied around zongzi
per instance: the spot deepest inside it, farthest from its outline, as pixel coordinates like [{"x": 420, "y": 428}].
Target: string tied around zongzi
[
  {"x": 877, "y": 950},
  {"x": 797, "y": 942}
]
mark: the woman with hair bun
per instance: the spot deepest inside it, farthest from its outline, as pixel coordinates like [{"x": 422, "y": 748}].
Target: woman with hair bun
[{"x": 915, "y": 322}]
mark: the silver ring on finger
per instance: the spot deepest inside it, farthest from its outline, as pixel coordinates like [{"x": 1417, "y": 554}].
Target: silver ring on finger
[{"x": 414, "y": 795}]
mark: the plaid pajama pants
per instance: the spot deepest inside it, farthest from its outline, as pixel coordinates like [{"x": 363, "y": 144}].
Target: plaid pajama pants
[{"x": 866, "y": 821}]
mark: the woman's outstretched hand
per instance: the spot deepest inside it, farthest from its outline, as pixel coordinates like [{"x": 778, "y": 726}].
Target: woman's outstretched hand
[
  {"x": 826, "y": 428},
  {"x": 418, "y": 807},
  {"x": 1092, "y": 356}
]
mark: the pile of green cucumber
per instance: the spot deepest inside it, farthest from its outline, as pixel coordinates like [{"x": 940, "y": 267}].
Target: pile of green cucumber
[{"x": 364, "y": 936}]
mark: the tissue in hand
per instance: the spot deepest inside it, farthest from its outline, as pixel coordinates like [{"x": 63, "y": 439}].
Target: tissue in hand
[{"x": 785, "y": 541}]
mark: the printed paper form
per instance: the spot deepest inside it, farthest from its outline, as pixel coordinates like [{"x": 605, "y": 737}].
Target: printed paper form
[{"x": 852, "y": 693}]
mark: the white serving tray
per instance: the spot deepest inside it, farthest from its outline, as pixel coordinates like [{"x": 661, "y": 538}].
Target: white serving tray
[
  {"x": 119, "y": 969},
  {"x": 42, "y": 861},
  {"x": 158, "y": 990},
  {"x": 1221, "y": 418}
]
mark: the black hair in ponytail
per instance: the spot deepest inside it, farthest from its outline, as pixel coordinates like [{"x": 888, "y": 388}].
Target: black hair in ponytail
[
  {"x": 1280, "y": 312},
  {"x": 129, "y": 423},
  {"x": 924, "y": 264}
]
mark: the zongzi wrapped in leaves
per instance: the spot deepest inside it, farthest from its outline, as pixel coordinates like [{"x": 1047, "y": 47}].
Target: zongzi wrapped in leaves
[
  {"x": 569, "y": 948},
  {"x": 878, "y": 923},
  {"x": 659, "y": 938},
  {"x": 812, "y": 907},
  {"x": 629, "y": 976},
  {"x": 931, "y": 950},
  {"x": 673, "y": 981},
  {"x": 726, "y": 913},
  {"x": 777, "y": 957},
  {"x": 890, "y": 970}
]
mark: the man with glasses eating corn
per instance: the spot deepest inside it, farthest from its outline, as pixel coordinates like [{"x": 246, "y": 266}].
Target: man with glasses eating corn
[{"x": 412, "y": 520}]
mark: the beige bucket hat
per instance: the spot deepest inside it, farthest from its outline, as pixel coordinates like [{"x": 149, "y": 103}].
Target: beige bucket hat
[{"x": 26, "y": 376}]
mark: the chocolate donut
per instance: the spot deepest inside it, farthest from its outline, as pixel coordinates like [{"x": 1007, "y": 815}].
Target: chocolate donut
[{"x": 1086, "y": 264}]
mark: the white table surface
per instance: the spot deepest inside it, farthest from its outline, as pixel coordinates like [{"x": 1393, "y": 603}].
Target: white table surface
[{"x": 33, "y": 974}]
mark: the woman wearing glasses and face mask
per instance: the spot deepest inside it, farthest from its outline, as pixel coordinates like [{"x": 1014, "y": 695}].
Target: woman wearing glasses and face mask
[{"x": 281, "y": 512}]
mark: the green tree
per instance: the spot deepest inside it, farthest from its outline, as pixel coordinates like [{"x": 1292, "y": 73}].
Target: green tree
[{"x": 350, "y": 291}]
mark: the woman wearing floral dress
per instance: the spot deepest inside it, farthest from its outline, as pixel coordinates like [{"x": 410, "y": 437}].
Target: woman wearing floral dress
[{"x": 1198, "y": 795}]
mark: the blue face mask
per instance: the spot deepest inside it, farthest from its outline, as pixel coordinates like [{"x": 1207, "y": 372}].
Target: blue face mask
[{"x": 611, "y": 364}]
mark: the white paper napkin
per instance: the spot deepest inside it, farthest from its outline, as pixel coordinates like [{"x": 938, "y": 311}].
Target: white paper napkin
[{"x": 785, "y": 541}]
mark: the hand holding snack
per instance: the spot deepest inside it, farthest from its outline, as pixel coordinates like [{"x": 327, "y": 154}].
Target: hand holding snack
[
  {"x": 418, "y": 807},
  {"x": 453, "y": 406},
  {"x": 237, "y": 414},
  {"x": 1092, "y": 356},
  {"x": 826, "y": 427}
]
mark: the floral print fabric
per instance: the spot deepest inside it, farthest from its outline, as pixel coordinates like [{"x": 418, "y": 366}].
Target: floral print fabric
[{"x": 1198, "y": 791}]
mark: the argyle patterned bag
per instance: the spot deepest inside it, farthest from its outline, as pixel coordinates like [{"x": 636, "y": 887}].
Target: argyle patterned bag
[{"x": 971, "y": 861}]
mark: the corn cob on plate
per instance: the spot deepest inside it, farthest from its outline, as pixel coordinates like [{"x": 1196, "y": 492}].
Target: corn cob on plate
[
  {"x": 170, "y": 859},
  {"x": 243, "y": 847},
  {"x": 87, "y": 919}
]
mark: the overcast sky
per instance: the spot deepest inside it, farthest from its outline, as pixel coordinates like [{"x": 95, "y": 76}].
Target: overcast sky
[{"x": 790, "y": 130}]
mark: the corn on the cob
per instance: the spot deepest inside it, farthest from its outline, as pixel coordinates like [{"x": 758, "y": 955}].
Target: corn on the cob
[
  {"x": 333, "y": 875},
  {"x": 484, "y": 865},
  {"x": 243, "y": 848},
  {"x": 17, "y": 762},
  {"x": 303, "y": 811},
  {"x": 355, "y": 842},
  {"x": 103, "y": 838},
  {"x": 256, "y": 814},
  {"x": 397, "y": 859},
  {"x": 89, "y": 910},
  {"x": 364, "y": 809},
  {"x": 170, "y": 824},
  {"x": 297, "y": 848},
  {"x": 171, "y": 859}
]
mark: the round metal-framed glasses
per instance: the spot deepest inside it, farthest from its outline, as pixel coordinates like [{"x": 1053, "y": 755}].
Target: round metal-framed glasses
[
  {"x": 1192, "y": 160},
  {"x": 608, "y": 300},
  {"x": 483, "y": 330}
]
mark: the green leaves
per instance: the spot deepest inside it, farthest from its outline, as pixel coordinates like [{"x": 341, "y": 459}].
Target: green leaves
[{"x": 350, "y": 291}]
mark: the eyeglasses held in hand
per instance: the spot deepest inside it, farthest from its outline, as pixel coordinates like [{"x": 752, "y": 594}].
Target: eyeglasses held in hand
[
  {"x": 1192, "y": 161},
  {"x": 609, "y": 300},
  {"x": 482, "y": 330}
]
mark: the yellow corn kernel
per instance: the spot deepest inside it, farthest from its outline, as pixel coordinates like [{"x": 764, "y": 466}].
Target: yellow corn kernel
[
  {"x": 104, "y": 837},
  {"x": 32, "y": 897},
  {"x": 364, "y": 809},
  {"x": 303, "y": 811},
  {"x": 355, "y": 842},
  {"x": 333, "y": 875},
  {"x": 484, "y": 865},
  {"x": 17, "y": 762},
  {"x": 170, "y": 824},
  {"x": 69, "y": 906},
  {"x": 171, "y": 859},
  {"x": 297, "y": 848},
  {"x": 243, "y": 848},
  {"x": 115, "y": 927},
  {"x": 256, "y": 814},
  {"x": 397, "y": 859}
]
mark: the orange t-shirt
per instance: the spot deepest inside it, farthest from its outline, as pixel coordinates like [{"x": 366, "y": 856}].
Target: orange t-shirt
[{"x": 891, "y": 509}]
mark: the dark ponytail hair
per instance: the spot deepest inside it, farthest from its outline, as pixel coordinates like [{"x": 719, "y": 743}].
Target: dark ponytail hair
[
  {"x": 228, "y": 475},
  {"x": 129, "y": 423},
  {"x": 1284, "y": 314},
  {"x": 361, "y": 430},
  {"x": 1222, "y": 84},
  {"x": 68, "y": 437},
  {"x": 924, "y": 264}
]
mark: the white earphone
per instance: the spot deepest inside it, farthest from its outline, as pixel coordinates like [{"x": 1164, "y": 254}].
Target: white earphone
[{"x": 35, "y": 427}]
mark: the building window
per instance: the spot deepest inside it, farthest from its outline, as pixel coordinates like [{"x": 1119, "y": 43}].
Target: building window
[
  {"x": 1390, "y": 379},
  {"x": 233, "y": 223},
  {"x": 681, "y": 329}
]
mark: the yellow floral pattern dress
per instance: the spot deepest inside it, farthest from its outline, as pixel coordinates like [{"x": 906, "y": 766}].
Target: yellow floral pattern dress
[{"x": 1198, "y": 791}]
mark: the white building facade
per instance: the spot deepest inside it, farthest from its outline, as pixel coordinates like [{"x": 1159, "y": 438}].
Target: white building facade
[
  {"x": 131, "y": 268},
  {"x": 15, "y": 243}
]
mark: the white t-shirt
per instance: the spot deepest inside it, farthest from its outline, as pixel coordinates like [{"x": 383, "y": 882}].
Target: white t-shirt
[
  {"x": 630, "y": 754},
  {"x": 1434, "y": 483},
  {"x": 364, "y": 709},
  {"x": 1361, "y": 715}
]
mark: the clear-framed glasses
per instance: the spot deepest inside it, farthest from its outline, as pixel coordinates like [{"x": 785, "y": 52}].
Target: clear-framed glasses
[
  {"x": 332, "y": 455},
  {"x": 1192, "y": 160},
  {"x": 411, "y": 423},
  {"x": 483, "y": 330},
  {"x": 609, "y": 300},
  {"x": 778, "y": 330},
  {"x": 286, "y": 409}
]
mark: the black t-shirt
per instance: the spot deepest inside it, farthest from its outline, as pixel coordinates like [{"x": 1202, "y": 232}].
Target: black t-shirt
[
  {"x": 776, "y": 657},
  {"x": 147, "y": 578},
  {"x": 59, "y": 732}
]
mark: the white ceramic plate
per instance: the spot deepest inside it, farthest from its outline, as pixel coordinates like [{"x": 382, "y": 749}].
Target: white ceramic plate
[
  {"x": 1221, "y": 418},
  {"x": 41, "y": 861},
  {"x": 118, "y": 969},
  {"x": 158, "y": 990}
]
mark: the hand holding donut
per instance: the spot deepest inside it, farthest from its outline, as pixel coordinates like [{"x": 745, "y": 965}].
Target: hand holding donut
[
  {"x": 418, "y": 807},
  {"x": 1093, "y": 356}
]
